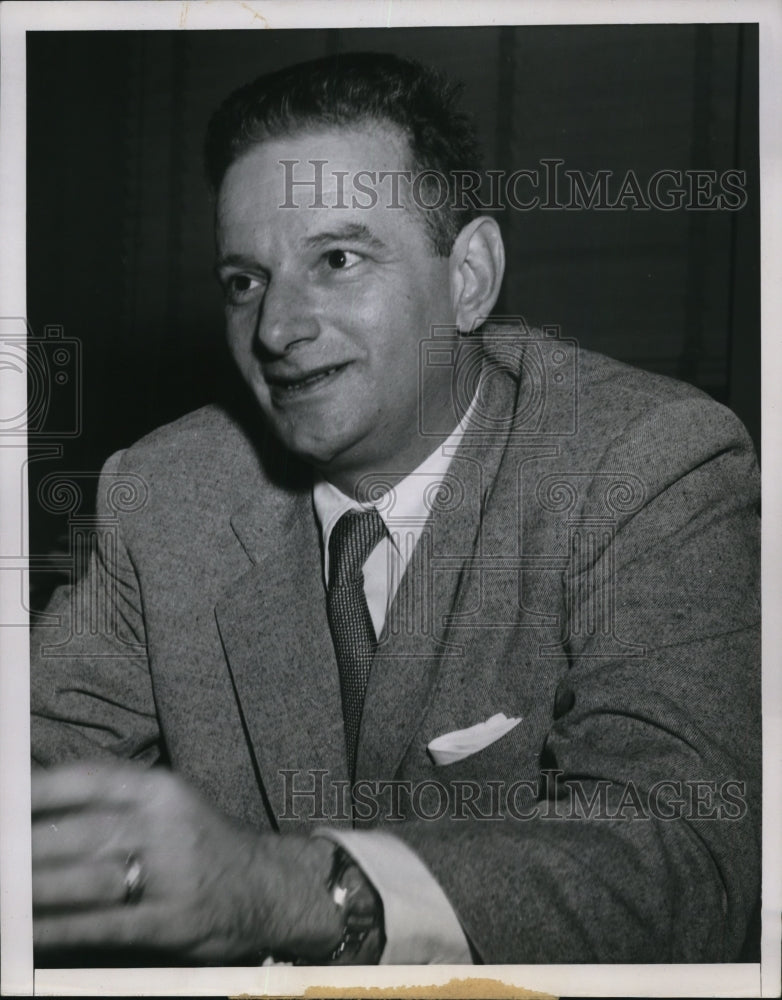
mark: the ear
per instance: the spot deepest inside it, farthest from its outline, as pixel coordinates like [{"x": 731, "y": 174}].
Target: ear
[{"x": 477, "y": 264}]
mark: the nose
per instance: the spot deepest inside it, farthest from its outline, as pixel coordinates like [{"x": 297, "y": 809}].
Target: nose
[{"x": 287, "y": 317}]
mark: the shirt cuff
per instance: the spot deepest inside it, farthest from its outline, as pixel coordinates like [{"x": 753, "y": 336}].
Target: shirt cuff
[{"x": 420, "y": 925}]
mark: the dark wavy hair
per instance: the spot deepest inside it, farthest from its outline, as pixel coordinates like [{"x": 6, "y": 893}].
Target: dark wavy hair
[{"x": 354, "y": 89}]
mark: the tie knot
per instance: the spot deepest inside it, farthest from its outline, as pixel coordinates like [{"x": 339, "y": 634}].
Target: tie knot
[{"x": 354, "y": 536}]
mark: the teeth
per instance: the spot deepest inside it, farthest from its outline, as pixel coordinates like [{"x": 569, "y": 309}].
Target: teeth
[{"x": 293, "y": 386}]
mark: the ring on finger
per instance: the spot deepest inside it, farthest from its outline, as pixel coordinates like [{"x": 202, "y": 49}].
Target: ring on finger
[{"x": 135, "y": 879}]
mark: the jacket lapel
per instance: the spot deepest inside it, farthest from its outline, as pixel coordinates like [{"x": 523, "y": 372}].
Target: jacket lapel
[
  {"x": 417, "y": 640},
  {"x": 276, "y": 637}
]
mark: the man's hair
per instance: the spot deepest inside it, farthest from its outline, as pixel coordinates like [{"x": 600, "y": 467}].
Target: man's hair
[{"x": 356, "y": 89}]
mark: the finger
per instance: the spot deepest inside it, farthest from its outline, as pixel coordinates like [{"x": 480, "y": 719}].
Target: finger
[
  {"x": 73, "y": 835},
  {"x": 158, "y": 926},
  {"x": 116, "y": 926},
  {"x": 85, "y": 785},
  {"x": 100, "y": 883}
]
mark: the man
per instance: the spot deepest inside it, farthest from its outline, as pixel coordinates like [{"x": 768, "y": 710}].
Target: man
[{"x": 448, "y": 642}]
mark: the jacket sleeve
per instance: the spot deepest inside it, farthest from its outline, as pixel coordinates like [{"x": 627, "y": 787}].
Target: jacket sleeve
[
  {"x": 90, "y": 689},
  {"x": 666, "y": 866}
]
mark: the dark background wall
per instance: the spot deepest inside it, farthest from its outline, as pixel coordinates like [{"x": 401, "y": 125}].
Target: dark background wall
[{"x": 119, "y": 220}]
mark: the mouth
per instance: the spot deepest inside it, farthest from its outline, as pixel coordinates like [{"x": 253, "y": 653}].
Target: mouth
[{"x": 298, "y": 382}]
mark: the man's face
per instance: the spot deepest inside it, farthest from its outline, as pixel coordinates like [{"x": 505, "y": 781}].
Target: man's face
[{"x": 326, "y": 307}]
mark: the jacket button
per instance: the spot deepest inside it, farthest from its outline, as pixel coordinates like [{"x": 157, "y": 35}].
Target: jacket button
[{"x": 564, "y": 700}]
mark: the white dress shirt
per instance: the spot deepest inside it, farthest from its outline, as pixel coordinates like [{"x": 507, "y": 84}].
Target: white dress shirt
[{"x": 420, "y": 925}]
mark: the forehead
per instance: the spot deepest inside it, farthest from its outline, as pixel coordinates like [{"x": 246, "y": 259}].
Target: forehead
[{"x": 293, "y": 181}]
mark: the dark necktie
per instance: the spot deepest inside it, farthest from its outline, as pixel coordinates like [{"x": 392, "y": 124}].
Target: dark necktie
[{"x": 352, "y": 539}]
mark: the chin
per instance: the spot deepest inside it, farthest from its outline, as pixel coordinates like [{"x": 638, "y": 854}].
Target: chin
[
  {"x": 341, "y": 450},
  {"x": 314, "y": 451}
]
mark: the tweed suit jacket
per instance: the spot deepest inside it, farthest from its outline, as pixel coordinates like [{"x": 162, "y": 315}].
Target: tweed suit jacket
[{"x": 590, "y": 567}]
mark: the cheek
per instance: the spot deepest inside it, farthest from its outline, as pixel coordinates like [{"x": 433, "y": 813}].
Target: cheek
[{"x": 239, "y": 334}]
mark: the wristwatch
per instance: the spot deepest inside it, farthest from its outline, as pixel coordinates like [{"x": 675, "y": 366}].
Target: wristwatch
[{"x": 363, "y": 934}]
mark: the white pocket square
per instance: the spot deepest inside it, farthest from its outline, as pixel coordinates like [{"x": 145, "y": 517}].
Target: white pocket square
[{"x": 461, "y": 743}]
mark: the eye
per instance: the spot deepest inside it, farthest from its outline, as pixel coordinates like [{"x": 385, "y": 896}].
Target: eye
[
  {"x": 342, "y": 260},
  {"x": 239, "y": 287}
]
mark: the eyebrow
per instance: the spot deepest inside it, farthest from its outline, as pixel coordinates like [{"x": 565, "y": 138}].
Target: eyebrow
[
  {"x": 242, "y": 260},
  {"x": 353, "y": 232}
]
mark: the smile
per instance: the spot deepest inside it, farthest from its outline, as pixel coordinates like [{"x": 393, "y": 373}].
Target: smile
[{"x": 292, "y": 384}]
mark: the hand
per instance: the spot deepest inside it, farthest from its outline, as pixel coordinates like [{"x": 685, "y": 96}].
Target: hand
[{"x": 212, "y": 890}]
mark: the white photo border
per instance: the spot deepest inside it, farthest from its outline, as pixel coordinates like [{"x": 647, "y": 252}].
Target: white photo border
[{"x": 18, "y": 975}]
